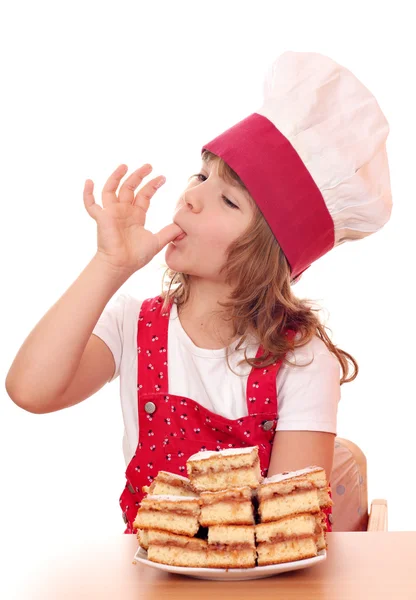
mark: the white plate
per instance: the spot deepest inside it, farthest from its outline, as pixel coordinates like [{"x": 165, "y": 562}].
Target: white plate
[{"x": 231, "y": 574}]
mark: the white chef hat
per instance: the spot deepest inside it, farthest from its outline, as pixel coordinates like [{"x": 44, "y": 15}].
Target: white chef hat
[{"x": 313, "y": 157}]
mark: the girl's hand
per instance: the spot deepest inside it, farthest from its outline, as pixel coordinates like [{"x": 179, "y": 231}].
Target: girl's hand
[{"x": 122, "y": 240}]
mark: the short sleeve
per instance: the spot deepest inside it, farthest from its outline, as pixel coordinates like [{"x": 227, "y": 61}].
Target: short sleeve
[
  {"x": 308, "y": 396},
  {"x": 109, "y": 328}
]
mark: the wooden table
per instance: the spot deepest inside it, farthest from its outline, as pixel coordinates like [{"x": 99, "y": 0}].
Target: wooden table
[{"x": 379, "y": 565}]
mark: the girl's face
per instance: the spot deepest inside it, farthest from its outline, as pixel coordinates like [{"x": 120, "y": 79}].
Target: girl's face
[{"x": 213, "y": 214}]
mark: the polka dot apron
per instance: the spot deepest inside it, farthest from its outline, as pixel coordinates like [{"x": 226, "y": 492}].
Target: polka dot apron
[{"x": 172, "y": 428}]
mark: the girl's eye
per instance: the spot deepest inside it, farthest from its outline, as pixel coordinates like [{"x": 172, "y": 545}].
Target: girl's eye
[{"x": 228, "y": 202}]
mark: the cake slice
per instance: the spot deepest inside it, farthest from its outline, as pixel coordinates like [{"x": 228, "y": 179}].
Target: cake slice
[
  {"x": 315, "y": 475},
  {"x": 292, "y": 493},
  {"x": 178, "y": 550},
  {"x": 290, "y": 538},
  {"x": 281, "y": 552},
  {"x": 218, "y": 470},
  {"x": 166, "y": 483},
  {"x": 233, "y": 506},
  {"x": 231, "y": 547},
  {"x": 177, "y": 514}
]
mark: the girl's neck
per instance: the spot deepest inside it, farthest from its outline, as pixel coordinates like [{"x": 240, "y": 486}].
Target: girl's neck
[{"x": 202, "y": 317}]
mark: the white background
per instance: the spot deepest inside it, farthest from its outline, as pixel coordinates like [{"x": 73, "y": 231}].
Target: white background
[{"x": 86, "y": 87}]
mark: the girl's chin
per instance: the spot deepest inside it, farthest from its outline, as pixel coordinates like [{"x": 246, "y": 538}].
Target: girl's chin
[{"x": 172, "y": 259}]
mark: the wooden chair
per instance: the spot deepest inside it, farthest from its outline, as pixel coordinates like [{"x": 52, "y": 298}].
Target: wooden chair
[{"x": 349, "y": 492}]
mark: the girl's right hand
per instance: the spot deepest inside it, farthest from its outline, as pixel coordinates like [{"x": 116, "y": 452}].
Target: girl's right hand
[{"x": 122, "y": 240}]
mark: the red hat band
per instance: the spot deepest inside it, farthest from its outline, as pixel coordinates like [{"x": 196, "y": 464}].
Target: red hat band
[{"x": 281, "y": 186}]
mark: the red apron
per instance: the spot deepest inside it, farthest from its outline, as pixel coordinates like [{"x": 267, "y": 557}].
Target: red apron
[{"x": 172, "y": 428}]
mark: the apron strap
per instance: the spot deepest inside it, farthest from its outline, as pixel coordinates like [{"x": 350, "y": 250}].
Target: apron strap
[
  {"x": 261, "y": 393},
  {"x": 152, "y": 344}
]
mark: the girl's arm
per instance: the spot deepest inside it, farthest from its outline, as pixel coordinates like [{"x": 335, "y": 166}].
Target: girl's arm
[
  {"x": 41, "y": 378},
  {"x": 293, "y": 450}
]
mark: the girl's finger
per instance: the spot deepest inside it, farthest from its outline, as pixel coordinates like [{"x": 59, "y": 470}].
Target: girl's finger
[
  {"x": 167, "y": 234},
  {"x": 144, "y": 196},
  {"x": 126, "y": 193},
  {"x": 92, "y": 208},
  {"x": 109, "y": 195}
]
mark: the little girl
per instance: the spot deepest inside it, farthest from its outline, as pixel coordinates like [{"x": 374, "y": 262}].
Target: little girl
[{"x": 249, "y": 362}]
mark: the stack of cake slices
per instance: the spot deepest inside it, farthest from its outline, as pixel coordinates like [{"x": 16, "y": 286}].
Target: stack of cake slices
[
  {"x": 226, "y": 516},
  {"x": 165, "y": 489},
  {"x": 292, "y": 523}
]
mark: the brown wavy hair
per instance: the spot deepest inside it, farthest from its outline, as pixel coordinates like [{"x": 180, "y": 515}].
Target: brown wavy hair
[{"x": 262, "y": 302}]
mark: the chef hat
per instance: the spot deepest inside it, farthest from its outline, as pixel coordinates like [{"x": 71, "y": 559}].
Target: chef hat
[{"x": 313, "y": 157}]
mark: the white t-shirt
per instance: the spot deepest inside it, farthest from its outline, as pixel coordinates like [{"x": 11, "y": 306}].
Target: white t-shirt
[{"x": 307, "y": 396}]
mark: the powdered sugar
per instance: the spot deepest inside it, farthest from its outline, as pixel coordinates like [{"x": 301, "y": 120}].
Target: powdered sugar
[
  {"x": 174, "y": 476},
  {"x": 227, "y": 452},
  {"x": 288, "y": 475}
]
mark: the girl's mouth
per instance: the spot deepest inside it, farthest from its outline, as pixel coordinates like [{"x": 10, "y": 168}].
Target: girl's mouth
[{"x": 180, "y": 237}]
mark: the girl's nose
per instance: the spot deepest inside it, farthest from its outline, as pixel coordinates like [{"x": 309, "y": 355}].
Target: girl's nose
[{"x": 193, "y": 201}]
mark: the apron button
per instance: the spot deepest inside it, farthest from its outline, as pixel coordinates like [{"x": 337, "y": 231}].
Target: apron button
[
  {"x": 131, "y": 488},
  {"x": 150, "y": 407},
  {"x": 267, "y": 425}
]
